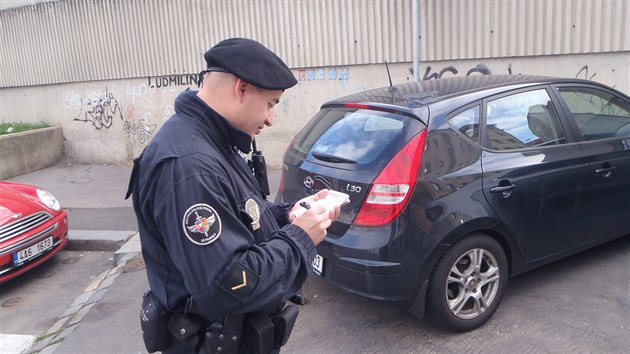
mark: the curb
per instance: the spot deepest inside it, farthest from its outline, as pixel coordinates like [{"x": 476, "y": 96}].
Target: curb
[{"x": 98, "y": 240}]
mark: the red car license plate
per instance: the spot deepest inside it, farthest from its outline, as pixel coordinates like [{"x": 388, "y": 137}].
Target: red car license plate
[{"x": 33, "y": 251}]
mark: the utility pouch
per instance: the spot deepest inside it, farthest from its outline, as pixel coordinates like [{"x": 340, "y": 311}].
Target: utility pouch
[
  {"x": 154, "y": 323},
  {"x": 186, "y": 327},
  {"x": 259, "y": 333},
  {"x": 283, "y": 324}
]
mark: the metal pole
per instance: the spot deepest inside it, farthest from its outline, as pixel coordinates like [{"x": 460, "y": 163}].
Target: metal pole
[{"x": 416, "y": 40}]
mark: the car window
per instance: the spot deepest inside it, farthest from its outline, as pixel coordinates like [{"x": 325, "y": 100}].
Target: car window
[
  {"x": 598, "y": 114},
  {"x": 467, "y": 123},
  {"x": 357, "y": 136},
  {"x": 523, "y": 120}
]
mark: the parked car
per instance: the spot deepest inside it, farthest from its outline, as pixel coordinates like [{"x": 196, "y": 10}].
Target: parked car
[
  {"x": 457, "y": 184},
  {"x": 33, "y": 228}
]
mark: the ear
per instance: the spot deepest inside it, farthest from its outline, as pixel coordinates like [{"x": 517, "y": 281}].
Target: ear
[{"x": 240, "y": 88}]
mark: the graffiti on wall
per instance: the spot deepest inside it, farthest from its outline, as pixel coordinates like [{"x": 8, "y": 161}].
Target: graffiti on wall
[
  {"x": 99, "y": 110},
  {"x": 139, "y": 129},
  {"x": 584, "y": 70},
  {"x": 482, "y": 69},
  {"x": 102, "y": 109},
  {"x": 430, "y": 74}
]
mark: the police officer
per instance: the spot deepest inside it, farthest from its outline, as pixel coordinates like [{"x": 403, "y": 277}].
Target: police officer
[{"x": 215, "y": 249}]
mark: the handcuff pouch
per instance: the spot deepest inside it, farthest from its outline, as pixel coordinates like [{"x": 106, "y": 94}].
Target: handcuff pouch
[{"x": 186, "y": 328}]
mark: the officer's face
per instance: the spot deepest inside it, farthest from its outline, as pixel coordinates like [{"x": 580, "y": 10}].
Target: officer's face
[{"x": 258, "y": 109}]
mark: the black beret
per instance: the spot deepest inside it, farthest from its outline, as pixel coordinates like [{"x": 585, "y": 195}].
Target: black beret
[{"x": 250, "y": 61}]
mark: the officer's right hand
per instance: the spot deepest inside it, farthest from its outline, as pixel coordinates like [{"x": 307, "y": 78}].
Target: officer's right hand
[{"x": 314, "y": 222}]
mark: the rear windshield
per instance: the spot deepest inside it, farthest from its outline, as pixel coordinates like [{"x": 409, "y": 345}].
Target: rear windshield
[{"x": 353, "y": 136}]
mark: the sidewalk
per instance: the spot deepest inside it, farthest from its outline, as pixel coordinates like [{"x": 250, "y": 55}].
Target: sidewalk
[{"x": 104, "y": 318}]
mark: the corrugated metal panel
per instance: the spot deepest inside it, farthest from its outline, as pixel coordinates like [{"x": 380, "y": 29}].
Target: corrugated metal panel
[
  {"x": 458, "y": 29},
  {"x": 307, "y": 33},
  {"x": 84, "y": 40}
]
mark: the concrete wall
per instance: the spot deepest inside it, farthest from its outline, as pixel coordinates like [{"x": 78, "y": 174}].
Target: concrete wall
[
  {"x": 29, "y": 151},
  {"x": 112, "y": 121}
]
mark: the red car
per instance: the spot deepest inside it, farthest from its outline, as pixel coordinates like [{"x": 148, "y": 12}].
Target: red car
[{"x": 33, "y": 228}]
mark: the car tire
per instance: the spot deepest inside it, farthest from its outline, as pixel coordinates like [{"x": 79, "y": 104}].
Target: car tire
[{"x": 462, "y": 296}]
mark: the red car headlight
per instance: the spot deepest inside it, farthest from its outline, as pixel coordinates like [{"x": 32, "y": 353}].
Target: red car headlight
[{"x": 48, "y": 199}]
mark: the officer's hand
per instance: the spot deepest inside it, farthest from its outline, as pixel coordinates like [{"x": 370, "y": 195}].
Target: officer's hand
[
  {"x": 310, "y": 200},
  {"x": 314, "y": 222}
]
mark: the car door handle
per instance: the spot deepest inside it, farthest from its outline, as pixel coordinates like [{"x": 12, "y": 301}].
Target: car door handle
[
  {"x": 503, "y": 189},
  {"x": 605, "y": 171}
]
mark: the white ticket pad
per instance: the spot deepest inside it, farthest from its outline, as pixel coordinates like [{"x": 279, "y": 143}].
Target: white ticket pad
[{"x": 333, "y": 199}]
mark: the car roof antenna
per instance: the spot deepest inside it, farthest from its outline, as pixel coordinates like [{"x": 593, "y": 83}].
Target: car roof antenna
[{"x": 391, "y": 89}]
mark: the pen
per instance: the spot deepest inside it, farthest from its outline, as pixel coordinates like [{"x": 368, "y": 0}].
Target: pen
[{"x": 305, "y": 205}]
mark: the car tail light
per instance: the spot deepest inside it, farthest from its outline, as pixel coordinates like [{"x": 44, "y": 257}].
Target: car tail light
[
  {"x": 281, "y": 186},
  {"x": 391, "y": 189}
]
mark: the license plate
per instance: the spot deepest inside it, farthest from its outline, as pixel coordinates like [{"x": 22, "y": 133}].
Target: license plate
[
  {"x": 33, "y": 251},
  {"x": 318, "y": 264}
]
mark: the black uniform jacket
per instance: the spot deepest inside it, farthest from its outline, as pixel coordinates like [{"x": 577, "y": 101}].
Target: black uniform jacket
[{"x": 205, "y": 227}]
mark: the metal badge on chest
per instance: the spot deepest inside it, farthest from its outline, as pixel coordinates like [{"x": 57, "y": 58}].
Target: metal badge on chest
[{"x": 254, "y": 212}]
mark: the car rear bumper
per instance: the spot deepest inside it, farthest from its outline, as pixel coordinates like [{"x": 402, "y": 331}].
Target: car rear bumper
[{"x": 378, "y": 263}]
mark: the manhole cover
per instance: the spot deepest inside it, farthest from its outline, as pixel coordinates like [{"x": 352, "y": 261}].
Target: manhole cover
[
  {"x": 11, "y": 302},
  {"x": 70, "y": 260},
  {"x": 133, "y": 265}
]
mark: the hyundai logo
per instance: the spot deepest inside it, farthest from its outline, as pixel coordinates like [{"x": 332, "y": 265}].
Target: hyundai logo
[{"x": 309, "y": 182}]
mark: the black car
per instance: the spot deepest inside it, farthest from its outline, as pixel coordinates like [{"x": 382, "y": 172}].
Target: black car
[{"x": 457, "y": 184}]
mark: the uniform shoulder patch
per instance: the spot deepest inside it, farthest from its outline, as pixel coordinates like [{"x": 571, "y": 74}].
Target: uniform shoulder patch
[
  {"x": 241, "y": 282},
  {"x": 201, "y": 224}
]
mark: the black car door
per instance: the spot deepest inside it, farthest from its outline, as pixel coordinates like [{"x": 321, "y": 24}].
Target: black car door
[
  {"x": 535, "y": 176},
  {"x": 601, "y": 118}
]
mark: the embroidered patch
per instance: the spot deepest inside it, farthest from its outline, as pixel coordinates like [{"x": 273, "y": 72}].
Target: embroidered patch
[
  {"x": 241, "y": 282},
  {"x": 202, "y": 224}
]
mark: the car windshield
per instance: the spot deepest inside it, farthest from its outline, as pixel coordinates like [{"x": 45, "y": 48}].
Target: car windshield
[{"x": 351, "y": 136}]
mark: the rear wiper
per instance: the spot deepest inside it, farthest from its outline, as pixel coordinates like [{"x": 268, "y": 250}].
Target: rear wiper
[{"x": 331, "y": 158}]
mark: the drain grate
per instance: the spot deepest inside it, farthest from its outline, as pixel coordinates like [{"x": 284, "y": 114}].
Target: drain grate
[{"x": 134, "y": 264}]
